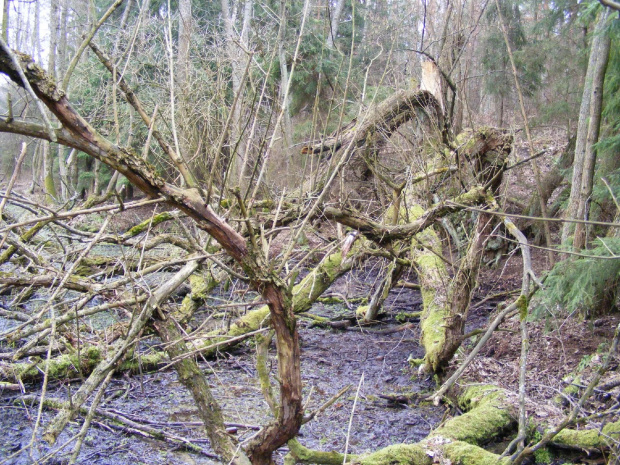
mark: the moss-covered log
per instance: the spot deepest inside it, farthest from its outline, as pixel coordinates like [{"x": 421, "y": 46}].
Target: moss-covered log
[
  {"x": 76, "y": 365},
  {"x": 448, "y": 333},
  {"x": 150, "y": 223},
  {"x": 111, "y": 265},
  {"x": 434, "y": 281},
  {"x": 483, "y": 153},
  {"x": 25, "y": 237},
  {"x": 305, "y": 294},
  {"x": 201, "y": 285},
  {"x": 446, "y": 302},
  {"x": 589, "y": 439},
  {"x": 488, "y": 415},
  {"x": 194, "y": 380}
]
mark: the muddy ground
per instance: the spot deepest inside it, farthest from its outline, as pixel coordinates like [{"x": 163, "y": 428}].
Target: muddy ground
[{"x": 331, "y": 359}]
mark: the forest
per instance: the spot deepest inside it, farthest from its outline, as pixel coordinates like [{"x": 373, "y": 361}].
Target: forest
[{"x": 310, "y": 232}]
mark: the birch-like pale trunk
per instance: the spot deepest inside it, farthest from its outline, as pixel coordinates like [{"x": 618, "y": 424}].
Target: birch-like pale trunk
[
  {"x": 335, "y": 15},
  {"x": 235, "y": 45},
  {"x": 286, "y": 126},
  {"x": 572, "y": 210},
  {"x": 592, "y": 135}
]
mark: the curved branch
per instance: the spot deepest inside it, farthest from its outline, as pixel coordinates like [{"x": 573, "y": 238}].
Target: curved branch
[
  {"x": 611, "y": 4},
  {"x": 383, "y": 234},
  {"x": 20, "y": 72},
  {"x": 387, "y": 118}
]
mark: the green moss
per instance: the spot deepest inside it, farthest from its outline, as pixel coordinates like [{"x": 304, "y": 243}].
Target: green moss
[
  {"x": 543, "y": 455},
  {"x": 64, "y": 366},
  {"x": 201, "y": 288},
  {"x": 403, "y": 317},
  {"x": 432, "y": 273},
  {"x": 488, "y": 415},
  {"x": 360, "y": 312},
  {"x": 589, "y": 438},
  {"x": 398, "y": 454},
  {"x": 522, "y": 306},
  {"x": 464, "y": 453},
  {"x": 149, "y": 223},
  {"x": 145, "y": 362},
  {"x": 435, "y": 310},
  {"x": 50, "y": 188},
  {"x": 304, "y": 295},
  {"x": 304, "y": 455}
]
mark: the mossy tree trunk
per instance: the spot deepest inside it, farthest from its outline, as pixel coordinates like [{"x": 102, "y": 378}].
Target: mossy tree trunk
[
  {"x": 304, "y": 294},
  {"x": 190, "y": 375}
]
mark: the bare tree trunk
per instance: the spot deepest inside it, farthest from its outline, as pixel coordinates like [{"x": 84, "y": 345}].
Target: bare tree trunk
[
  {"x": 186, "y": 135},
  {"x": 96, "y": 184},
  {"x": 238, "y": 65},
  {"x": 185, "y": 35},
  {"x": 334, "y": 23},
  {"x": 594, "y": 124},
  {"x": 5, "y": 20},
  {"x": 48, "y": 158},
  {"x": 61, "y": 65},
  {"x": 286, "y": 126},
  {"x": 35, "y": 46},
  {"x": 549, "y": 184},
  {"x": 36, "y": 156},
  {"x": 572, "y": 210}
]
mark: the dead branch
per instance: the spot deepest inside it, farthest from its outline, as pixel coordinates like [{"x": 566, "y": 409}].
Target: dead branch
[
  {"x": 383, "y": 234},
  {"x": 572, "y": 417},
  {"x": 124, "y": 424},
  {"x": 389, "y": 116}
]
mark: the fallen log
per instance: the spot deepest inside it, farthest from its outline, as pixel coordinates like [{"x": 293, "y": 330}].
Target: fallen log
[
  {"x": 309, "y": 289},
  {"x": 489, "y": 415},
  {"x": 387, "y": 118}
]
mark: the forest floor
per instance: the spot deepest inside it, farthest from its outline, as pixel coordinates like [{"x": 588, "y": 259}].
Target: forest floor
[
  {"x": 372, "y": 358},
  {"x": 330, "y": 360}
]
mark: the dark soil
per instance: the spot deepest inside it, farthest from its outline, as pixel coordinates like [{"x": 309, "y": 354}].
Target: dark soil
[
  {"x": 330, "y": 360},
  {"x": 376, "y": 362}
]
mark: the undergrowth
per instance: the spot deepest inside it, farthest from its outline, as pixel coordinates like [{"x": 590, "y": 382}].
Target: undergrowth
[{"x": 588, "y": 286}]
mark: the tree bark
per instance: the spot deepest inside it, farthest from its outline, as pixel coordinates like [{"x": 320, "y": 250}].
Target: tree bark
[
  {"x": 5, "y": 20},
  {"x": 334, "y": 23},
  {"x": 48, "y": 158},
  {"x": 238, "y": 65},
  {"x": 549, "y": 184},
  {"x": 187, "y": 135},
  {"x": 572, "y": 209},
  {"x": 388, "y": 117},
  {"x": 286, "y": 125},
  {"x": 594, "y": 124},
  {"x": 194, "y": 380}
]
